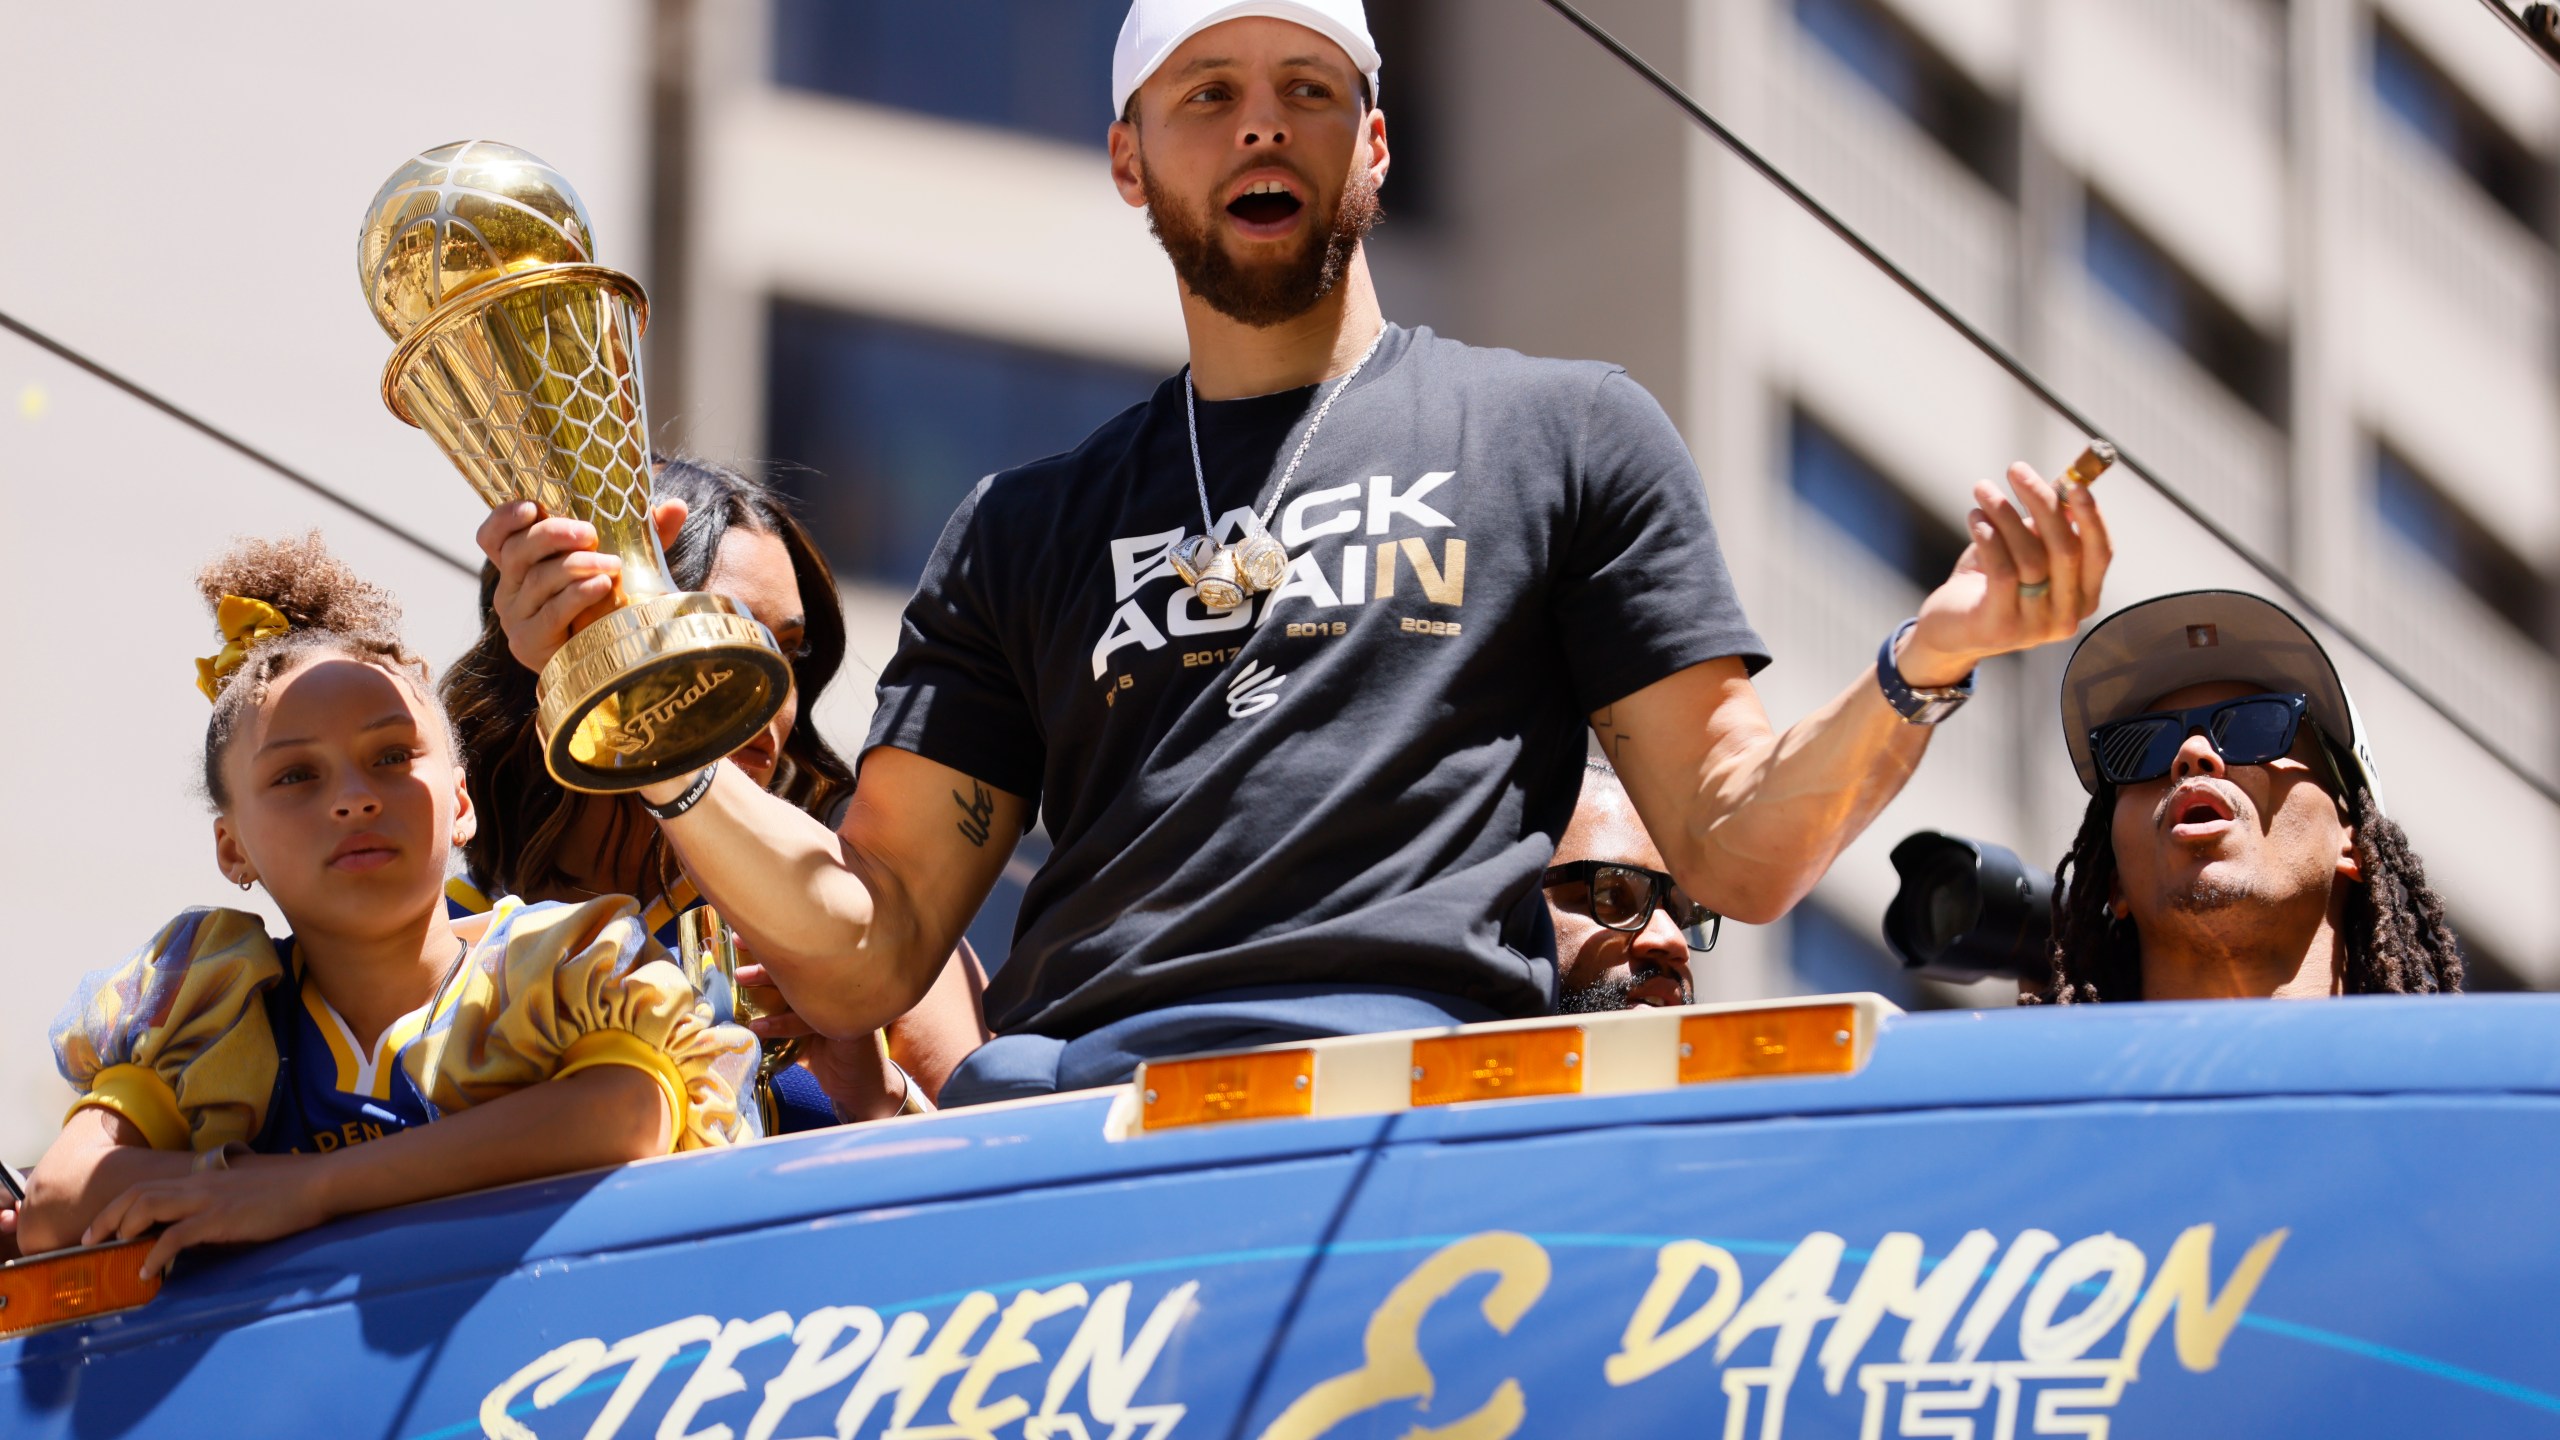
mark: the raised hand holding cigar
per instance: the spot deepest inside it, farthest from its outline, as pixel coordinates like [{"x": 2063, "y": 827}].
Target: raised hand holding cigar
[{"x": 2033, "y": 571}]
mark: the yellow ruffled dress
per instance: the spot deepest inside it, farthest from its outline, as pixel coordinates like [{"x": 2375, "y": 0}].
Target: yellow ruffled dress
[{"x": 208, "y": 1036}]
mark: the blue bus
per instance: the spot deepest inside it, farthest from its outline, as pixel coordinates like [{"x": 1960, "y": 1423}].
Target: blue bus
[{"x": 1804, "y": 1218}]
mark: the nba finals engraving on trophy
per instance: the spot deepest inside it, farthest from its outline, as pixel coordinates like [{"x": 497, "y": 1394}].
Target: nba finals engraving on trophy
[{"x": 637, "y": 733}]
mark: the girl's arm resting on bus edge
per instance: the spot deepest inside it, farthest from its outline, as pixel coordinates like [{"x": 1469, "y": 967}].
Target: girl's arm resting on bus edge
[
  {"x": 603, "y": 1115},
  {"x": 98, "y": 1156}
]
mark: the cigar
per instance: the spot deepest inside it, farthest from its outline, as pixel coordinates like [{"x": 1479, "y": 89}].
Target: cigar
[{"x": 2093, "y": 462}]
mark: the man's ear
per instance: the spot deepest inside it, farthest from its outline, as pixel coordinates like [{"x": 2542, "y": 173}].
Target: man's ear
[
  {"x": 1373, "y": 133},
  {"x": 2348, "y": 864},
  {"x": 1128, "y": 163}
]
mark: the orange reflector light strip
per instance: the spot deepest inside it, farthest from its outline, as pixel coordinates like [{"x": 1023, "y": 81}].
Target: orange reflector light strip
[
  {"x": 1749, "y": 1044},
  {"x": 73, "y": 1285},
  {"x": 1261, "y": 1085},
  {"x": 1630, "y": 1052},
  {"x": 1498, "y": 1065}
]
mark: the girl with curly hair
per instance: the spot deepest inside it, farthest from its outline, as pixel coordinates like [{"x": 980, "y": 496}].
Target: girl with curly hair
[{"x": 240, "y": 1086}]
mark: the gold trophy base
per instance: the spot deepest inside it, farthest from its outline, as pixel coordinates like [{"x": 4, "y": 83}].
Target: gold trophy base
[{"x": 657, "y": 689}]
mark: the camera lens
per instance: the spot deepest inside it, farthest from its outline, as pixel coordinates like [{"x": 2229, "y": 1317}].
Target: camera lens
[
  {"x": 1950, "y": 901},
  {"x": 1968, "y": 910}
]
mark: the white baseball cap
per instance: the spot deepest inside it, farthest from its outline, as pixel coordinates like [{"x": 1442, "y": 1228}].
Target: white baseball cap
[
  {"x": 1157, "y": 28},
  {"x": 2147, "y": 650}
]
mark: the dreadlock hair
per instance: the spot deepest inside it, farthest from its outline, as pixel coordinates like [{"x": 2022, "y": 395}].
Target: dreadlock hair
[
  {"x": 2397, "y": 941},
  {"x": 524, "y": 814},
  {"x": 333, "y": 611},
  {"x": 2095, "y": 952}
]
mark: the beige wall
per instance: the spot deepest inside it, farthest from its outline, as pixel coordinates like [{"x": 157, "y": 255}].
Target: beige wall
[{"x": 184, "y": 188}]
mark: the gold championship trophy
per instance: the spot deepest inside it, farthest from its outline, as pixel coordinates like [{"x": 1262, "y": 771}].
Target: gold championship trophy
[{"x": 518, "y": 355}]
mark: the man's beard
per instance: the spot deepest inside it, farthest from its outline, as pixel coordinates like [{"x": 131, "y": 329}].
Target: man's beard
[
  {"x": 2208, "y": 893},
  {"x": 1611, "y": 992},
  {"x": 1264, "y": 295}
]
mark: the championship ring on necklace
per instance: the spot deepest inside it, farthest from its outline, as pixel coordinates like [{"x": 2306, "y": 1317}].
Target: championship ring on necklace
[
  {"x": 1191, "y": 557},
  {"x": 1221, "y": 589},
  {"x": 1260, "y": 560}
]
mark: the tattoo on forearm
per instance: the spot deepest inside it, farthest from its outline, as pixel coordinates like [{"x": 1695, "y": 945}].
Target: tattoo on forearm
[
  {"x": 977, "y": 816},
  {"x": 1613, "y": 741}
]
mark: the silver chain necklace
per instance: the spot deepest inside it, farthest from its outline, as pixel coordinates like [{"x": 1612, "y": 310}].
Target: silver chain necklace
[{"x": 1225, "y": 577}]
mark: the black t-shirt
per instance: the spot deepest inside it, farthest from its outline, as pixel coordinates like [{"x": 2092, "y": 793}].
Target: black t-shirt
[{"x": 1358, "y": 778}]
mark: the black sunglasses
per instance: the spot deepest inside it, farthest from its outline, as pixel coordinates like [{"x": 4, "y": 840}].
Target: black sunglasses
[
  {"x": 2251, "y": 730},
  {"x": 1624, "y": 897}
]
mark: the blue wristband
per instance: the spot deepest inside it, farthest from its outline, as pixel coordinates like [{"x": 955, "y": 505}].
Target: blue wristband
[{"x": 1917, "y": 705}]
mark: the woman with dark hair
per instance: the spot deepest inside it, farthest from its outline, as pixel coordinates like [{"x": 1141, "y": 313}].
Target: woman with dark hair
[{"x": 725, "y": 534}]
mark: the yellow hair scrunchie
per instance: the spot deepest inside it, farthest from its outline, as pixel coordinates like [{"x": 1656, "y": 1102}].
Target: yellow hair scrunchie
[{"x": 243, "y": 622}]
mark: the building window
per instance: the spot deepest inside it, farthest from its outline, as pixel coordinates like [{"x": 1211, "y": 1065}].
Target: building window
[
  {"x": 1917, "y": 80},
  {"x": 2427, "y": 102},
  {"x": 2136, "y": 270},
  {"x": 881, "y": 429},
  {"x": 1843, "y": 487},
  {"x": 2432, "y": 524},
  {"x": 1041, "y": 67}
]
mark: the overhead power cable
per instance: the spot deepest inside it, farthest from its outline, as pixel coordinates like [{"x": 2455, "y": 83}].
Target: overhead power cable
[
  {"x": 2052, "y": 400},
  {"x": 2538, "y": 27},
  {"x": 225, "y": 438}
]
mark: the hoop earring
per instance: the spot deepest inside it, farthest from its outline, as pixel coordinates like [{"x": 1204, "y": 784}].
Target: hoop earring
[{"x": 245, "y": 884}]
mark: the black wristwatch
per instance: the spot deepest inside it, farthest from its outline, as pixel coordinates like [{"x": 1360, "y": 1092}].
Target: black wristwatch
[{"x": 1920, "y": 705}]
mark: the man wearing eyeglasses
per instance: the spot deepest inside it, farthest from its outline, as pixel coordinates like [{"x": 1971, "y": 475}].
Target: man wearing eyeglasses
[
  {"x": 1625, "y": 930},
  {"x": 2235, "y": 844}
]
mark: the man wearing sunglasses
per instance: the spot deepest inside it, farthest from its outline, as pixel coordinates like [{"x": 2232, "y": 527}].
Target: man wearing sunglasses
[
  {"x": 1625, "y": 930},
  {"x": 2235, "y": 843}
]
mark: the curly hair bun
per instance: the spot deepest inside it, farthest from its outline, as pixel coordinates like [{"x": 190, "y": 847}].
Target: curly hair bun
[{"x": 315, "y": 589}]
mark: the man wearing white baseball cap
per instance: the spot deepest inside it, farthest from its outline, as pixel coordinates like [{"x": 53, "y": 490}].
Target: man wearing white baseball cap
[
  {"x": 1153, "y": 32},
  {"x": 2235, "y": 844},
  {"x": 1299, "y": 659}
]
